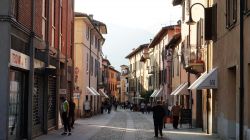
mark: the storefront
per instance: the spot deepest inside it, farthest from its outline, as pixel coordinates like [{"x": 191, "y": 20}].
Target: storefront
[{"x": 18, "y": 100}]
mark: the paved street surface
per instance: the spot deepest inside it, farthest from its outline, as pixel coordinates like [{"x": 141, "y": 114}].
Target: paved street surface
[{"x": 124, "y": 125}]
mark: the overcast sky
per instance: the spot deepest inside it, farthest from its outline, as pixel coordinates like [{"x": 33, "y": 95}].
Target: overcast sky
[{"x": 130, "y": 23}]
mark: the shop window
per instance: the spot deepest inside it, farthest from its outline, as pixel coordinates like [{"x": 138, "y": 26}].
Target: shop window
[{"x": 231, "y": 13}]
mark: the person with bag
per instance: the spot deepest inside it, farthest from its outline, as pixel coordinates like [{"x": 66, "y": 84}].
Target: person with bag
[{"x": 158, "y": 115}]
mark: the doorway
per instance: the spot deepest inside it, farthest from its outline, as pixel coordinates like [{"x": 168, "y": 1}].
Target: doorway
[
  {"x": 18, "y": 107},
  {"x": 231, "y": 109}
]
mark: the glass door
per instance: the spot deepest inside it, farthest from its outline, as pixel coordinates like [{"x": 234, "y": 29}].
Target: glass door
[{"x": 17, "y": 113}]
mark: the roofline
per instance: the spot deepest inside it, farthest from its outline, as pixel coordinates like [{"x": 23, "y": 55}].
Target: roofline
[
  {"x": 84, "y": 15},
  {"x": 174, "y": 41},
  {"x": 160, "y": 34},
  {"x": 137, "y": 50}
]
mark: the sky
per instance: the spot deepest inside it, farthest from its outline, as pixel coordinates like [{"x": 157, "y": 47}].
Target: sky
[{"x": 130, "y": 23}]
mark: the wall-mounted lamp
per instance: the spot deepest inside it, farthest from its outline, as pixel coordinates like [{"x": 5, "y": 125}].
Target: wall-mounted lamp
[{"x": 190, "y": 20}]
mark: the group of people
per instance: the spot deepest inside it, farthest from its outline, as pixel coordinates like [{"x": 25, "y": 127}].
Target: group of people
[
  {"x": 160, "y": 114},
  {"x": 67, "y": 115}
]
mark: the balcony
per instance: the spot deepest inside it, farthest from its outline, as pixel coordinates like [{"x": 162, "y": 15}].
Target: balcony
[
  {"x": 150, "y": 69},
  {"x": 195, "y": 66}
]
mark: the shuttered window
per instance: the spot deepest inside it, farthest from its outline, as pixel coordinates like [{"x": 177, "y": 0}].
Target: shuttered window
[
  {"x": 231, "y": 13},
  {"x": 247, "y": 6}
]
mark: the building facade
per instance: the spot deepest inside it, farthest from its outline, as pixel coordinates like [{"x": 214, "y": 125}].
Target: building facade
[
  {"x": 138, "y": 77},
  {"x": 231, "y": 58},
  {"x": 36, "y": 66},
  {"x": 124, "y": 84},
  {"x": 88, "y": 60}
]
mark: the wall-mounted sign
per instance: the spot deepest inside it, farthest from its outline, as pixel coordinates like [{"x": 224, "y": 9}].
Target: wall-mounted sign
[
  {"x": 62, "y": 91},
  {"x": 19, "y": 60}
]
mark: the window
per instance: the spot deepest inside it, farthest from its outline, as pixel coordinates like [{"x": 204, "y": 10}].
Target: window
[
  {"x": 96, "y": 43},
  {"x": 91, "y": 65},
  {"x": 87, "y": 66},
  {"x": 247, "y": 6},
  {"x": 43, "y": 19},
  {"x": 231, "y": 13},
  {"x": 14, "y": 8},
  {"x": 87, "y": 32},
  {"x": 53, "y": 23},
  {"x": 183, "y": 11}
]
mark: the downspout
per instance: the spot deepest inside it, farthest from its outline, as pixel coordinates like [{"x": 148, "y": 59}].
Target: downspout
[
  {"x": 73, "y": 47},
  {"x": 208, "y": 90},
  {"x": 241, "y": 106},
  {"x": 47, "y": 62},
  {"x": 31, "y": 72},
  {"x": 66, "y": 55},
  {"x": 58, "y": 73}
]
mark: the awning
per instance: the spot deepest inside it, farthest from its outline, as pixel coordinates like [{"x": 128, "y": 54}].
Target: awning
[
  {"x": 104, "y": 94},
  {"x": 206, "y": 81},
  {"x": 95, "y": 91},
  {"x": 153, "y": 94},
  {"x": 159, "y": 93},
  {"x": 91, "y": 91},
  {"x": 181, "y": 89}
]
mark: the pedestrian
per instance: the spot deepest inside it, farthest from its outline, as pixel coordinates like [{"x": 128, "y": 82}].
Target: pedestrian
[
  {"x": 175, "y": 114},
  {"x": 87, "y": 107},
  {"x": 72, "y": 106},
  {"x": 65, "y": 116},
  {"x": 142, "y": 107},
  {"x": 158, "y": 115},
  {"x": 166, "y": 111},
  {"x": 148, "y": 107}
]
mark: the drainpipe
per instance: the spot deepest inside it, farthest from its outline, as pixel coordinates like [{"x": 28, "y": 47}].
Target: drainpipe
[
  {"x": 47, "y": 62},
  {"x": 58, "y": 72},
  {"x": 241, "y": 109},
  {"x": 31, "y": 72}
]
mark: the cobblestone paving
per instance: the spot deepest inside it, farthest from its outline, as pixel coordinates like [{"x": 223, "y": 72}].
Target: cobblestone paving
[
  {"x": 124, "y": 125},
  {"x": 114, "y": 130},
  {"x": 143, "y": 126}
]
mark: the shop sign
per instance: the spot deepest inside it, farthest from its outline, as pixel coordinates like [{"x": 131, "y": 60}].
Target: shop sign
[
  {"x": 19, "y": 60},
  {"x": 76, "y": 95},
  {"x": 62, "y": 91}
]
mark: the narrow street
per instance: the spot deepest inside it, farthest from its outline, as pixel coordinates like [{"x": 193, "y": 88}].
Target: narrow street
[{"x": 124, "y": 125}]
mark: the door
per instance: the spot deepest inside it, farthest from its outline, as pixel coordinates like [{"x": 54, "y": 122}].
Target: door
[{"x": 17, "y": 105}]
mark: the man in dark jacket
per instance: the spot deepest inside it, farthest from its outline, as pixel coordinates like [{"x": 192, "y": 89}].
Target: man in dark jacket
[{"x": 158, "y": 115}]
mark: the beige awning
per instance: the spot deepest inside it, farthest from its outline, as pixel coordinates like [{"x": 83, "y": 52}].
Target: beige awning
[
  {"x": 159, "y": 93},
  {"x": 181, "y": 89},
  {"x": 91, "y": 92},
  {"x": 206, "y": 81},
  {"x": 95, "y": 91},
  {"x": 153, "y": 94},
  {"x": 104, "y": 94}
]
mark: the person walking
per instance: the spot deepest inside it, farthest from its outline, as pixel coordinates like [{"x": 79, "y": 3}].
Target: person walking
[
  {"x": 142, "y": 107},
  {"x": 72, "y": 106},
  {"x": 158, "y": 115},
  {"x": 175, "y": 114},
  {"x": 65, "y": 116},
  {"x": 87, "y": 108},
  {"x": 166, "y": 111}
]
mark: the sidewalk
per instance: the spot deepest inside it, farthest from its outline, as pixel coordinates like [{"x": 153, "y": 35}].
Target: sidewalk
[{"x": 124, "y": 125}]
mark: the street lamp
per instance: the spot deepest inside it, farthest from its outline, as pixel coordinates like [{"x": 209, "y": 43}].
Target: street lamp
[{"x": 192, "y": 22}]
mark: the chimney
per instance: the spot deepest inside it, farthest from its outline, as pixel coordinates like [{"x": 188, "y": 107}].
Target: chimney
[{"x": 91, "y": 16}]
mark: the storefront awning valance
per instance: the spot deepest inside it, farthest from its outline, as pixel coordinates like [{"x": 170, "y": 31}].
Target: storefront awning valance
[
  {"x": 181, "y": 89},
  {"x": 153, "y": 94},
  {"x": 206, "y": 81},
  {"x": 91, "y": 92},
  {"x": 159, "y": 93},
  {"x": 104, "y": 94},
  {"x": 95, "y": 91}
]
